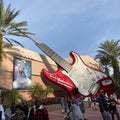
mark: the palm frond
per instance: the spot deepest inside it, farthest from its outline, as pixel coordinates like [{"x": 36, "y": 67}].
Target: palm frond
[
  {"x": 9, "y": 40},
  {"x": 8, "y": 26}
]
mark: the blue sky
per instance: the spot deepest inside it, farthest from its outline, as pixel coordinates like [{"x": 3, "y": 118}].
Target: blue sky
[{"x": 69, "y": 25}]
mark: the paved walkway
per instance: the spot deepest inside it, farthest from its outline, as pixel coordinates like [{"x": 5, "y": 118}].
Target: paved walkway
[{"x": 90, "y": 113}]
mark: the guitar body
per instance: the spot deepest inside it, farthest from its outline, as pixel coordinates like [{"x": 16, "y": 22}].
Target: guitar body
[{"x": 81, "y": 79}]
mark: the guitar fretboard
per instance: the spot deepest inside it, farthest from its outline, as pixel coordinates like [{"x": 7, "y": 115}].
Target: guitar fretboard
[{"x": 55, "y": 57}]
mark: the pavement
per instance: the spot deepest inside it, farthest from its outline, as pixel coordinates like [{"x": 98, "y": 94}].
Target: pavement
[{"x": 92, "y": 114}]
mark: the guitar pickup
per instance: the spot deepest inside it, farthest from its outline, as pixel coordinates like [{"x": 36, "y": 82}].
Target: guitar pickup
[{"x": 94, "y": 88}]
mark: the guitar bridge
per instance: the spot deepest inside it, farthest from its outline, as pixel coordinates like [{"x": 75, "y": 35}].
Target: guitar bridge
[{"x": 94, "y": 88}]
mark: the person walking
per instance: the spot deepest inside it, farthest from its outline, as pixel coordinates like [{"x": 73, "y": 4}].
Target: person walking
[
  {"x": 94, "y": 103},
  {"x": 103, "y": 106},
  {"x": 38, "y": 112},
  {"x": 80, "y": 103},
  {"x": 69, "y": 102},
  {"x": 113, "y": 107},
  {"x": 76, "y": 112},
  {"x": 64, "y": 104}
]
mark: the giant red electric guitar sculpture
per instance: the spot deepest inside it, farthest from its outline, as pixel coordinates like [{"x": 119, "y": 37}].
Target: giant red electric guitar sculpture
[{"x": 78, "y": 79}]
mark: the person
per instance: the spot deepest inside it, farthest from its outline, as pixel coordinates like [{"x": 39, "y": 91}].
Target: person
[
  {"x": 8, "y": 113},
  {"x": 2, "y": 115},
  {"x": 64, "y": 105},
  {"x": 19, "y": 114},
  {"x": 76, "y": 112},
  {"x": 25, "y": 108},
  {"x": 80, "y": 103},
  {"x": 113, "y": 107},
  {"x": 38, "y": 112},
  {"x": 69, "y": 102},
  {"x": 94, "y": 103},
  {"x": 103, "y": 106}
]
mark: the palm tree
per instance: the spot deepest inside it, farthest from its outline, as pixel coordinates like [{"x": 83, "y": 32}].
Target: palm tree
[
  {"x": 48, "y": 90},
  {"x": 10, "y": 94},
  {"x": 104, "y": 61},
  {"x": 8, "y": 26},
  {"x": 36, "y": 91},
  {"x": 110, "y": 51}
]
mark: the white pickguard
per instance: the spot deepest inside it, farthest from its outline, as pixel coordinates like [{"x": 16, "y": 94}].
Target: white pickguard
[{"x": 83, "y": 77}]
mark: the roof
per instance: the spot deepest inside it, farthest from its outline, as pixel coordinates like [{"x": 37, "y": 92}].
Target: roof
[{"x": 16, "y": 50}]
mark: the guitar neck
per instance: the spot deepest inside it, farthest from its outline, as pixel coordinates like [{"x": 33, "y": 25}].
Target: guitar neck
[
  {"x": 55, "y": 57},
  {"x": 48, "y": 51}
]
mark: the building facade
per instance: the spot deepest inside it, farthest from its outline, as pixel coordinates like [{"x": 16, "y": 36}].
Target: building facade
[{"x": 17, "y": 59}]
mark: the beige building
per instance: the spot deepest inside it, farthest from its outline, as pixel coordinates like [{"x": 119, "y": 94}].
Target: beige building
[{"x": 38, "y": 63}]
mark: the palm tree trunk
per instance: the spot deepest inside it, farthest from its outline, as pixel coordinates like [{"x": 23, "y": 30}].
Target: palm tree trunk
[
  {"x": 116, "y": 70},
  {"x": 107, "y": 70},
  {"x": 116, "y": 73},
  {"x": 1, "y": 43},
  {"x": 0, "y": 96}
]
